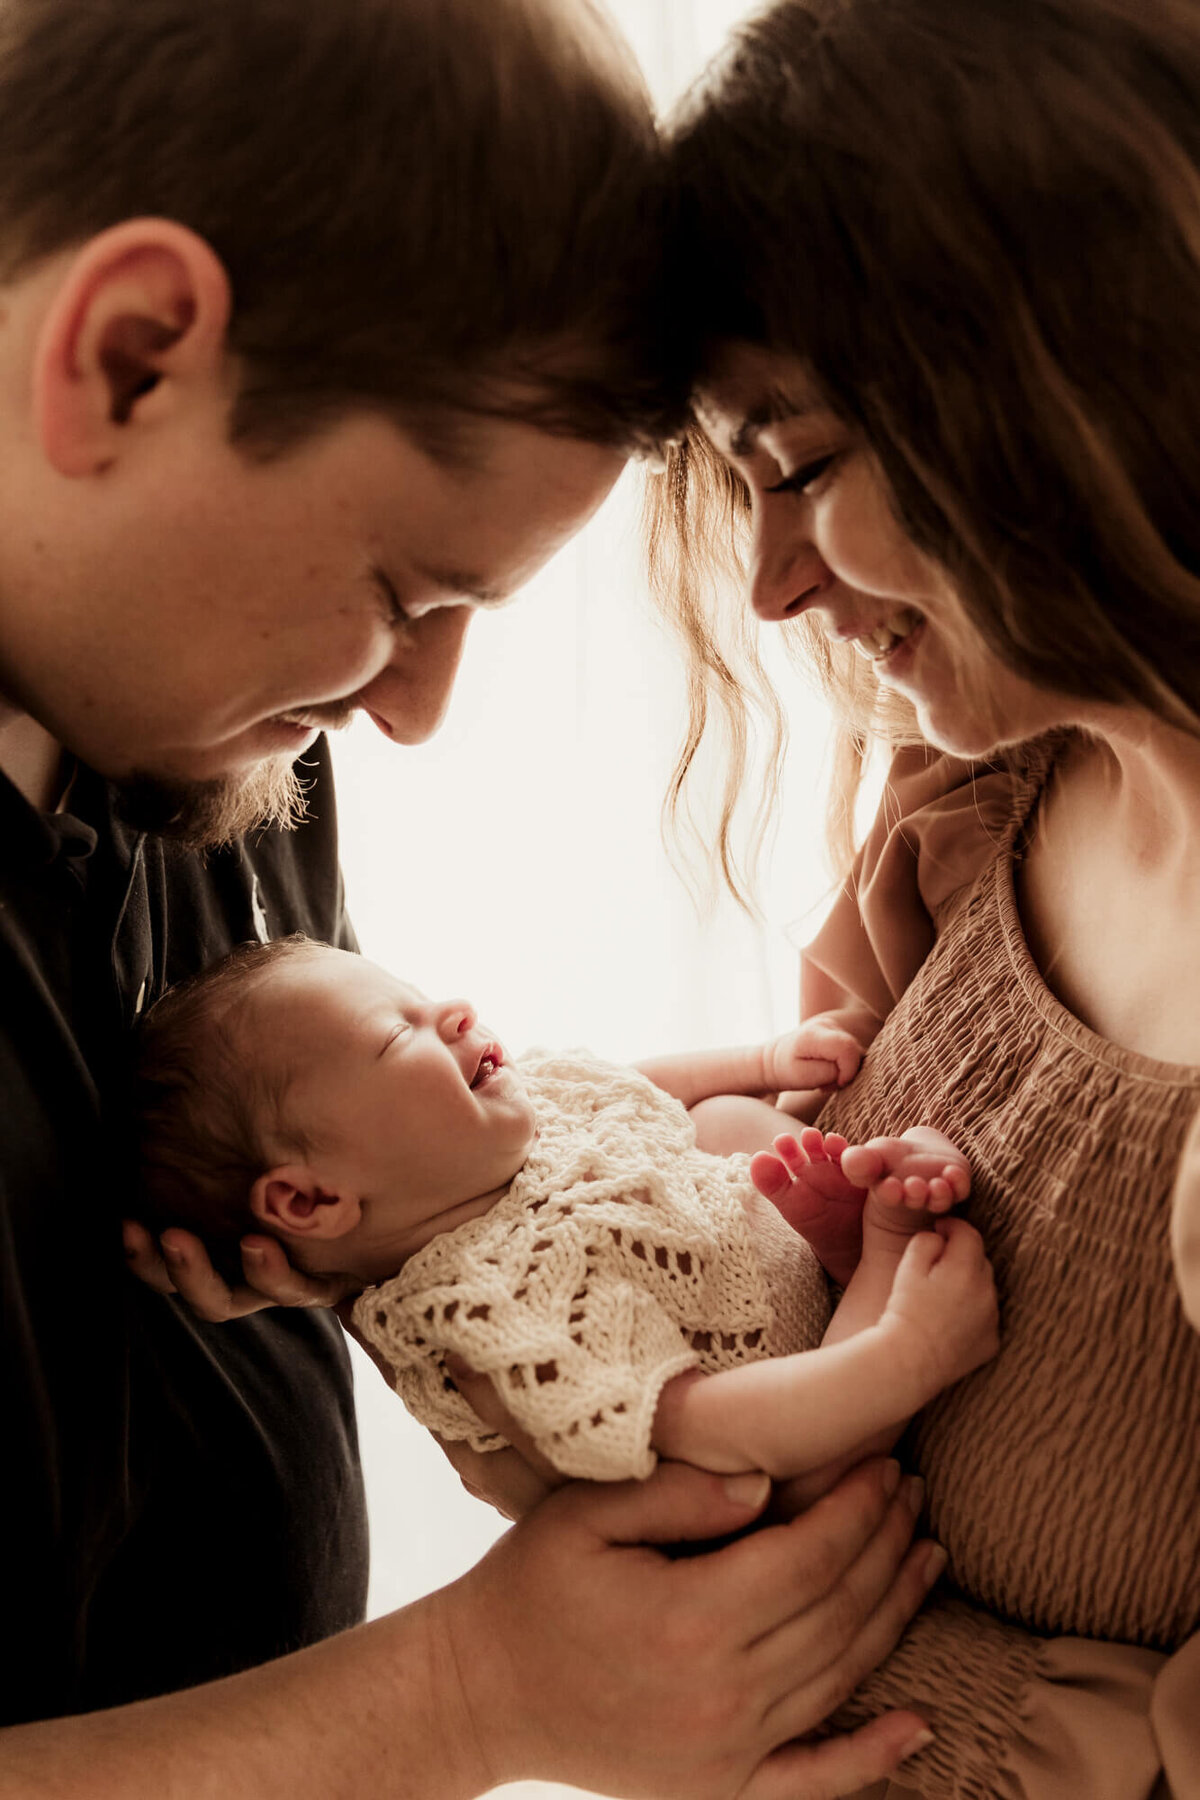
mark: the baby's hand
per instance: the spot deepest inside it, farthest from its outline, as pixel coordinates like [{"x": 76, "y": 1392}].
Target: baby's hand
[
  {"x": 816, "y": 1054},
  {"x": 943, "y": 1303}
]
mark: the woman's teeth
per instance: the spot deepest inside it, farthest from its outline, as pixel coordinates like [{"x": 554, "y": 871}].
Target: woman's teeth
[{"x": 880, "y": 642}]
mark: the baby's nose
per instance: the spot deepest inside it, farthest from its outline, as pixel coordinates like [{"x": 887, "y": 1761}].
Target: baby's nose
[{"x": 455, "y": 1017}]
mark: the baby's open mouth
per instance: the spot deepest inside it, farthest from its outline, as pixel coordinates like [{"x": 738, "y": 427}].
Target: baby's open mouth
[{"x": 491, "y": 1060}]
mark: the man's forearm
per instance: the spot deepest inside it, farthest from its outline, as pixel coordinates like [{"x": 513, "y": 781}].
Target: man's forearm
[
  {"x": 698, "y": 1075},
  {"x": 376, "y": 1710}
]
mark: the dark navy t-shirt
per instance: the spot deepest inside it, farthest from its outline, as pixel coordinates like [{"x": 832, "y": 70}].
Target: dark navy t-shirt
[{"x": 182, "y": 1500}]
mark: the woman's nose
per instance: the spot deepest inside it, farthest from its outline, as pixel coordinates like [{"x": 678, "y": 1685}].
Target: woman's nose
[
  {"x": 454, "y": 1018},
  {"x": 787, "y": 574}
]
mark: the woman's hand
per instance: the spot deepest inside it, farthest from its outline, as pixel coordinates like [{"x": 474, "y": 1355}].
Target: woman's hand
[{"x": 178, "y": 1263}]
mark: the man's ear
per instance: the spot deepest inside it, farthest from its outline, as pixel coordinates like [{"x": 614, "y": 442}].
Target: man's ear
[
  {"x": 137, "y": 326},
  {"x": 291, "y": 1202}
]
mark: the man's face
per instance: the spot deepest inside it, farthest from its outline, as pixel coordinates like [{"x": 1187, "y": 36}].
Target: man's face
[{"x": 198, "y": 618}]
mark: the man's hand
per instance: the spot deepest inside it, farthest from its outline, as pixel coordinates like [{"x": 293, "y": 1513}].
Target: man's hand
[
  {"x": 179, "y": 1264},
  {"x": 585, "y": 1654},
  {"x": 513, "y": 1480}
]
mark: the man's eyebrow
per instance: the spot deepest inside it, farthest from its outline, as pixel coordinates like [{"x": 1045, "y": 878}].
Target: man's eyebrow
[{"x": 465, "y": 585}]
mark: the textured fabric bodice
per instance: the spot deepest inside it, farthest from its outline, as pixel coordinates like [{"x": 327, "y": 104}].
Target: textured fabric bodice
[{"x": 1063, "y": 1478}]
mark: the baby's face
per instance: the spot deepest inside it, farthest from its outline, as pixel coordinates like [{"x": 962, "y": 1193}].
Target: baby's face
[{"x": 411, "y": 1101}]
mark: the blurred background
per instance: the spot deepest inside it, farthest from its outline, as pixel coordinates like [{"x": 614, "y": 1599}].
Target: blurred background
[{"x": 517, "y": 860}]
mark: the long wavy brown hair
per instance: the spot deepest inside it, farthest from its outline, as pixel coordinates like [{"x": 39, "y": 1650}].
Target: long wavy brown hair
[{"x": 979, "y": 226}]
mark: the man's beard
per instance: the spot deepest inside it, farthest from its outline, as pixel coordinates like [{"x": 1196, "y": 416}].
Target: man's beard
[{"x": 207, "y": 815}]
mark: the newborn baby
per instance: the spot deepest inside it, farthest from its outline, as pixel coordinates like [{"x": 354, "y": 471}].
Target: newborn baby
[{"x": 556, "y": 1223}]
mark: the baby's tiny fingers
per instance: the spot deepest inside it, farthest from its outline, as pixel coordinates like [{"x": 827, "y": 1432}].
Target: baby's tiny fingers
[{"x": 923, "y": 1250}]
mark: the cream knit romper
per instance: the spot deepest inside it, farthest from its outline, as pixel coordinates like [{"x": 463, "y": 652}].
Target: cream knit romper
[{"x": 621, "y": 1256}]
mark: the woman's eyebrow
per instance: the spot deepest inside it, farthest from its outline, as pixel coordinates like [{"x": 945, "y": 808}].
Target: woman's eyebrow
[{"x": 773, "y": 410}]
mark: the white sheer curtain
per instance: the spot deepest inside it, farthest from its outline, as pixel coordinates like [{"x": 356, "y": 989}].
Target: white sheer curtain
[{"x": 517, "y": 860}]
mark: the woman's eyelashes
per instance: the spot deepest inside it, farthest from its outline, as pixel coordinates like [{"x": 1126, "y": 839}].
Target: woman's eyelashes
[{"x": 805, "y": 477}]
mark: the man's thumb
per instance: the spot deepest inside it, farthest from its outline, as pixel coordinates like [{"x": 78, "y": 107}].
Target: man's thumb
[{"x": 678, "y": 1504}]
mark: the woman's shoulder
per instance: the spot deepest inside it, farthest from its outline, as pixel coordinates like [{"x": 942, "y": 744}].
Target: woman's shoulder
[
  {"x": 950, "y": 816},
  {"x": 940, "y": 822}
]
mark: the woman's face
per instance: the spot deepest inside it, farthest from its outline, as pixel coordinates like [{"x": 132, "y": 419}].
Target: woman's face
[{"x": 827, "y": 543}]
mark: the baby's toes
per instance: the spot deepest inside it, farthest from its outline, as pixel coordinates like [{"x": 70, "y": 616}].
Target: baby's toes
[
  {"x": 941, "y": 1195},
  {"x": 814, "y": 1145},
  {"x": 769, "y": 1175},
  {"x": 835, "y": 1146},
  {"x": 916, "y": 1191},
  {"x": 789, "y": 1153},
  {"x": 861, "y": 1165},
  {"x": 958, "y": 1179},
  {"x": 890, "y": 1190}
]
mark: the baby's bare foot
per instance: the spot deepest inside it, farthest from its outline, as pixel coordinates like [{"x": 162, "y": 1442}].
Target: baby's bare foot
[
  {"x": 803, "y": 1179},
  {"x": 921, "y": 1171}
]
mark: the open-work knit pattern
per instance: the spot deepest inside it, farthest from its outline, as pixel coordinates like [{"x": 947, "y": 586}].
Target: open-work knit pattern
[{"x": 620, "y": 1257}]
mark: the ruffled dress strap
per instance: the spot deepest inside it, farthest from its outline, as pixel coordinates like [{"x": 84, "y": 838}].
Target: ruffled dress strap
[{"x": 941, "y": 822}]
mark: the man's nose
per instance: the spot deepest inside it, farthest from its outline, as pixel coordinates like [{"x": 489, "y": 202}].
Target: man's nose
[
  {"x": 408, "y": 698},
  {"x": 454, "y": 1017},
  {"x": 786, "y": 572}
]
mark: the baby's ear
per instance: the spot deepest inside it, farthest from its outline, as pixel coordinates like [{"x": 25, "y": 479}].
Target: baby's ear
[{"x": 291, "y": 1202}]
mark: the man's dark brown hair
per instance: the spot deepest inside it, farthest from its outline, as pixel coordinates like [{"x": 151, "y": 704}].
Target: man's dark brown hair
[{"x": 432, "y": 207}]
